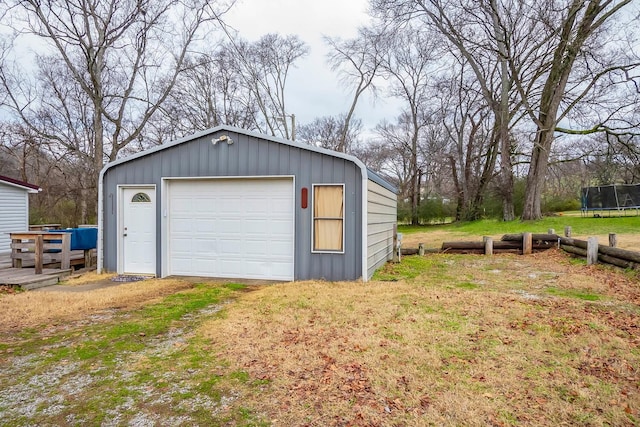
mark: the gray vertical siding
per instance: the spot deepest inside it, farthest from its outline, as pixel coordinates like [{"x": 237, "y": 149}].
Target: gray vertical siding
[
  {"x": 249, "y": 155},
  {"x": 381, "y": 218}
]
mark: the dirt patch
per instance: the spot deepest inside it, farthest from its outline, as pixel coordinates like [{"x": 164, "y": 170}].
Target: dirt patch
[
  {"x": 81, "y": 296},
  {"x": 87, "y": 278},
  {"x": 8, "y": 289},
  {"x": 48, "y": 389},
  {"x": 83, "y": 287}
]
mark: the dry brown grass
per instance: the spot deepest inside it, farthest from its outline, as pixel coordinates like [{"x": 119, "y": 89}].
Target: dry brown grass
[
  {"x": 472, "y": 341},
  {"x": 87, "y": 278},
  {"x": 625, "y": 241},
  {"x": 434, "y": 238},
  {"x": 32, "y": 309}
]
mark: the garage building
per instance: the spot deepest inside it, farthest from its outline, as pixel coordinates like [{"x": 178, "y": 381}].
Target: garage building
[{"x": 231, "y": 203}]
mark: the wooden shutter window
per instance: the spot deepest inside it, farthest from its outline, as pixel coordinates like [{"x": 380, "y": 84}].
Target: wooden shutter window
[{"x": 328, "y": 218}]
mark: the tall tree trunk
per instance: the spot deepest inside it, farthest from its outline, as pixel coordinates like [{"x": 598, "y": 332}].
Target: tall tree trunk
[
  {"x": 506, "y": 170},
  {"x": 574, "y": 32},
  {"x": 85, "y": 194},
  {"x": 502, "y": 119},
  {"x": 458, "y": 188},
  {"x": 506, "y": 179},
  {"x": 415, "y": 199},
  {"x": 549, "y": 105},
  {"x": 415, "y": 190},
  {"x": 536, "y": 176}
]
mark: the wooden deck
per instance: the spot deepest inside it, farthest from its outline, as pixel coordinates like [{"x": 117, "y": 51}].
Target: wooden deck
[{"x": 27, "y": 278}]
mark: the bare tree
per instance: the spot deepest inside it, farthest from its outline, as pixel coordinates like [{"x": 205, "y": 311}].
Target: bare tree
[
  {"x": 237, "y": 83},
  {"x": 566, "y": 175},
  {"x": 264, "y": 68},
  {"x": 611, "y": 160},
  {"x": 476, "y": 33},
  {"x": 210, "y": 92},
  {"x": 572, "y": 37},
  {"x": 473, "y": 147},
  {"x": 544, "y": 59},
  {"x": 376, "y": 154},
  {"x": 356, "y": 61},
  {"x": 24, "y": 156},
  {"x": 400, "y": 164},
  {"x": 328, "y": 132},
  {"x": 408, "y": 63},
  {"x": 106, "y": 69}
]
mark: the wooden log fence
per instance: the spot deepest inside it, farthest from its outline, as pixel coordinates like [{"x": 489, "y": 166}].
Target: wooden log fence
[
  {"x": 534, "y": 237},
  {"x": 497, "y": 245},
  {"x": 488, "y": 245},
  {"x": 525, "y": 243},
  {"x": 607, "y": 254}
]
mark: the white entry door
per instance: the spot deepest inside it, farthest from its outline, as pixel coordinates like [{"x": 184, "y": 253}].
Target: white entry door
[{"x": 138, "y": 231}]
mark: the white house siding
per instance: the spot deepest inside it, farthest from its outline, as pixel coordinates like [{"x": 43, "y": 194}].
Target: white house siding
[
  {"x": 14, "y": 214},
  {"x": 381, "y": 218}
]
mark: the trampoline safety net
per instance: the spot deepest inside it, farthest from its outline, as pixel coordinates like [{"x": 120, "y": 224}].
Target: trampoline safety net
[{"x": 623, "y": 196}]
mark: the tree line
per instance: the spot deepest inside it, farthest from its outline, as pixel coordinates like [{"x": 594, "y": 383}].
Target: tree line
[{"x": 508, "y": 105}]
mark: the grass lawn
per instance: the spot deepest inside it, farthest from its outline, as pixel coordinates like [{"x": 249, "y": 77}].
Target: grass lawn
[
  {"x": 626, "y": 227},
  {"x": 541, "y": 340}
]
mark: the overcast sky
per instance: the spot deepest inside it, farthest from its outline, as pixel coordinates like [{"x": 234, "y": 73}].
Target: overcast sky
[{"x": 313, "y": 89}]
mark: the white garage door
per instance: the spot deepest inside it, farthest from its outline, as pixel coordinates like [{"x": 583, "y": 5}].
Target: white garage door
[{"x": 233, "y": 228}]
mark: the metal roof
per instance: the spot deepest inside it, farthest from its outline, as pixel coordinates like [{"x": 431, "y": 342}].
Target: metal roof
[
  {"x": 31, "y": 188},
  {"x": 370, "y": 174}
]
